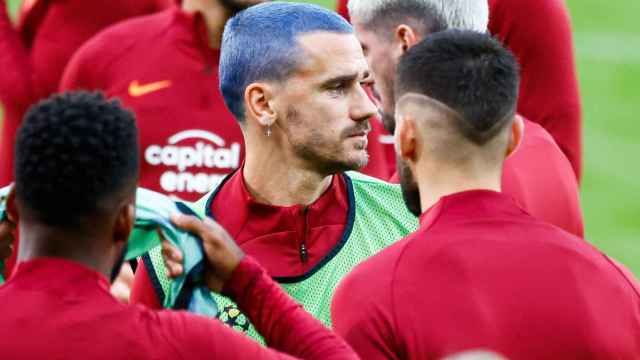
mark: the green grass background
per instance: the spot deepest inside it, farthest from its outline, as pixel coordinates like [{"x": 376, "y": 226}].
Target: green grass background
[{"x": 607, "y": 41}]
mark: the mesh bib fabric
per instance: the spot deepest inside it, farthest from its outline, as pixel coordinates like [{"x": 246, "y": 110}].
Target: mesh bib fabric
[{"x": 377, "y": 218}]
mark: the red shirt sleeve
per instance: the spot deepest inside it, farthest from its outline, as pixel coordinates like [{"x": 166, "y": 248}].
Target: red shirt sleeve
[
  {"x": 283, "y": 323},
  {"x": 539, "y": 34},
  {"x": 15, "y": 77},
  {"x": 361, "y": 311},
  {"x": 143, "y": 291},
  {"x": 287, "y": 328}
]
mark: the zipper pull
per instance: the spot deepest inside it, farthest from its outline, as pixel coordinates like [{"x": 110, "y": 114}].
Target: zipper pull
[{"x": 303, "y": 253}]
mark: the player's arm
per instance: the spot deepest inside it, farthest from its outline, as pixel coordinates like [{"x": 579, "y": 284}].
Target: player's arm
[
  {"x": 16, "y": 75},
  {"x": 88, "y": 68},
  {"x": 544, "y": 47},
  {"x": 284, "y": 324}
]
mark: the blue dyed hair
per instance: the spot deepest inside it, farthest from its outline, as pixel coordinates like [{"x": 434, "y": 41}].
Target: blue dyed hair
[{"x": 260, "y": 44}]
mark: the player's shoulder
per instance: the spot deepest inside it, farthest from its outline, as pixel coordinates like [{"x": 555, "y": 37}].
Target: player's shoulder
[
  {"x": 378, "y": 271},
  {"x": 121, "y": 37},
  {"x": 374, "y": 188}
]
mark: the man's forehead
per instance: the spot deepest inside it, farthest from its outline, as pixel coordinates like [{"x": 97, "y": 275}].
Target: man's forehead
[{"x": 335, "y": 53}]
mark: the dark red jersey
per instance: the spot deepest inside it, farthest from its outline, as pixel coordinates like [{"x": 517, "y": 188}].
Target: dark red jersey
[
  {"x": 480, "y": 273},
  {"x": 58, "y": 309},
  {"x": 162, "y": 67},
  {"x": 33, "y": 54}
]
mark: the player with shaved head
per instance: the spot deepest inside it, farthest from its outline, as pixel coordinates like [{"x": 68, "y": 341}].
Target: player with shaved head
[{"x": 479, "y": 272}]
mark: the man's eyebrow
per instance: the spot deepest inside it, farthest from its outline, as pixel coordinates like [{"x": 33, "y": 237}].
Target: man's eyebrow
[{"x": 345, "y": 78}]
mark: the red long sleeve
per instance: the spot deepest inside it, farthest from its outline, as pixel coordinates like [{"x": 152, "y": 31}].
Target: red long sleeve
[
  {"x": 539, "y": 34},
  {"x": 15, "y": 79},
  {"x": 283, "y": 323}
]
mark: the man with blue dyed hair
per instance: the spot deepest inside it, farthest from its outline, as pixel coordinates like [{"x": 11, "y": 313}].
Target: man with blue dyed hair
[{"x": 294, "y": 76}]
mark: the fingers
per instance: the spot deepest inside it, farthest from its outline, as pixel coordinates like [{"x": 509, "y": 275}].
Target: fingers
[
  {"x": 6, "y": 239},
  {"x": 121, "y": 287},
  {"x": 206, "y": 228},
  {"x": 172, "y": 257}
]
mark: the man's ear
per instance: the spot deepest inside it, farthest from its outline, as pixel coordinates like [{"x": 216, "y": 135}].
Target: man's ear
[
  {"x": 258, "y": 99},
  {"x": 515, "y": 137},
  {"x": 12, "y": 208},
  {"x": 405, "y": 138},
  {"x": 406, "y": 37},
  {"x": 124, "y": 223}
]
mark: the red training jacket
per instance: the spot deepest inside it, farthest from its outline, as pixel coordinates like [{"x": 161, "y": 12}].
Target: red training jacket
[{"x": 482, "y": 274}]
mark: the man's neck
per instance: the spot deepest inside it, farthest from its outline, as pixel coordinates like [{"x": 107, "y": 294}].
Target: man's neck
[
  {"x": 443, "y": 182},
  {"x": 38, "y": 241},
  {"x": 277, "y": 179},
  {"x": 215, "y": 16}
]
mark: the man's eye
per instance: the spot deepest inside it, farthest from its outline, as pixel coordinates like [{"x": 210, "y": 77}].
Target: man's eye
[{"x": 338, "y": 89}]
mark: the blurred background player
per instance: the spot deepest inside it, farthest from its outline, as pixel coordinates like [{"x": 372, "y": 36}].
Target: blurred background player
[
  {"x": 479, "y": 272},
  {"x": 537, "y": 175},
  {"x": 33, "y": 55},
  {"x": 304, "y": 112},
  {"x": 56, "y": 305},
  {"x": 539, "y": 34}
]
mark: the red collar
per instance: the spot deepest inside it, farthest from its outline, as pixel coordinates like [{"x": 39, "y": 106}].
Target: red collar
[
  {"x": 291, "y": 242},
  {"x": 191, "y": 29},
  {"x": 50, "y": 272},
  {"x": 466, "y": 204}
]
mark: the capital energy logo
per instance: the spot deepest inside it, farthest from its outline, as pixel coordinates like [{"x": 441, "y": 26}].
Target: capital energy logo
[{"x": 193, "y": 149}]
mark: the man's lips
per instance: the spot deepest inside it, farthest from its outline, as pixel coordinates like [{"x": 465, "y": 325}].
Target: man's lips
[{"x": 359, "y": 134}]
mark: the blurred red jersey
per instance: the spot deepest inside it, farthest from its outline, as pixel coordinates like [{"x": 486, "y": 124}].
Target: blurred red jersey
[
  {"x": 34, "y": 54},
  {"x": 481, "y": 273},
  {"x": 539, "y": 34},
  {"x": 162, "y": 67}
]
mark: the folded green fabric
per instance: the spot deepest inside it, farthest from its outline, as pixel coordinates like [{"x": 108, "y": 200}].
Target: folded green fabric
[{"x": 153, "y": 211}]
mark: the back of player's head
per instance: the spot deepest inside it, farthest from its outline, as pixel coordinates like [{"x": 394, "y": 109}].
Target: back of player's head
[
  {"x": 259, "y": 44},
  {"x": 469, "y": 72},
  {"x": 75, "y": 153},
  {"x": 430, "y": 15}
]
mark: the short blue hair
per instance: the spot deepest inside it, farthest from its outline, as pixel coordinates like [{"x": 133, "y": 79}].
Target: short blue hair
[{"x": 259, "y": 43}]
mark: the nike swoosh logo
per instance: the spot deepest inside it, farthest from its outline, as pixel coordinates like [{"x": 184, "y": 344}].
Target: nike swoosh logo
[{"x": 136, "y": 89}]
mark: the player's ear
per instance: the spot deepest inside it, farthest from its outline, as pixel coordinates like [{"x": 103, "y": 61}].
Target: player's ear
[
  {"x": 406, "y": 141},
  {"x": 11, "y": 208},
  {"x": 515, "y": 137},
  {"x": 406, "y": 37},
  {"x": 259, "y": 105},
  {"x": 124, "y": 222}
]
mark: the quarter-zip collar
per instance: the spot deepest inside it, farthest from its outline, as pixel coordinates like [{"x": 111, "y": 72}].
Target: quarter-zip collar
[
  {"x": 190, "y": 32},
  {"x": 288, "y": 240}
]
